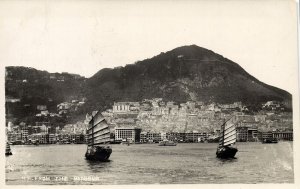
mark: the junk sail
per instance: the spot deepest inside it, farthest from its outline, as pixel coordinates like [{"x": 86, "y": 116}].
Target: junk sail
[
  {"x": 227, "y": 138},
  {"x": 98, "y": 131},
  {"x": 98, "y": 134},
  {"x": 228, "y": 134}
]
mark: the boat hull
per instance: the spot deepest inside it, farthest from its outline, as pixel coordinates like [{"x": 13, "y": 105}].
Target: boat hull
[
  {"x": 8, "y": 150},
  {"x": 98, "y": 153},
  {"x": 270, "y": 140},
  {"x": 8, "y": 153},
  {"x": 167, "y": 143},
  {"x": 226, "y": 152}
]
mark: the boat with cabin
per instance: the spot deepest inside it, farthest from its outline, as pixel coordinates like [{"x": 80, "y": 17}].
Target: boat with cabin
[
  {"x": 98, "y": 135},
  {"x": 167, "y": 143},
  {"x": 270, "y": 140},
  {"x": 226, "y": 149}
]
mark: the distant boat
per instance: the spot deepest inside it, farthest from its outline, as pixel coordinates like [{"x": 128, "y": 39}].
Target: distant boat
[
  {"x": 270, "y": 140},
  {"x": 98, "y": 138},
  {"x": 36, "y": 142},
  {"x": 167, "y": 143},
  {"x": 8, "y": 150},
  {"x": 227, "y": 139}
]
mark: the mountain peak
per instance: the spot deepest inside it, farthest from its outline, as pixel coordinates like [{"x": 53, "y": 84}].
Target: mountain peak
[{"x": 185, "y": 73}]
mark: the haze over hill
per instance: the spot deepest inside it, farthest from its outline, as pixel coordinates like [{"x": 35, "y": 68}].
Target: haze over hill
[{"x": 182, "y": 74}]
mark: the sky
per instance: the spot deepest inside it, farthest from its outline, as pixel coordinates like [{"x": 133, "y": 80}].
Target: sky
[{"x": 83, "y": 37}]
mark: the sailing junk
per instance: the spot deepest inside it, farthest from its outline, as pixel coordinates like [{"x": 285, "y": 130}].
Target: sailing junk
[
  {"x": 98, "y": 138},
  {"x": 7, "y": 150},
  {"x": 227, "y": 139}
]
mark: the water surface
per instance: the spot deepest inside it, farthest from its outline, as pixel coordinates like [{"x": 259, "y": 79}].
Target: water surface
[{"x": 194, "y": 163}]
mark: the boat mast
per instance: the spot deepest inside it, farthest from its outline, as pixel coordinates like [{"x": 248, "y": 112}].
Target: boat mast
[
  {"x": 92, "y": 121},
  {"x": 223, "y": 133}
]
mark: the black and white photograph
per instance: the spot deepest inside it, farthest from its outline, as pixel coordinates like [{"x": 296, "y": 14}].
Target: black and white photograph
[{"x": 163, "y": 93}]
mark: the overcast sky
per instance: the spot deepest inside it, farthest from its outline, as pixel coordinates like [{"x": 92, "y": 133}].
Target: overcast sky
[{"x": 85, "y": 36}]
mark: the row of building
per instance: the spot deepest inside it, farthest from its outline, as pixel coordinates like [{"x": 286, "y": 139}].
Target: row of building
[
  {"x": 43, "y": 138},
  {"x": 156, "y": 115},
  {"x": 244, "y": 134}
]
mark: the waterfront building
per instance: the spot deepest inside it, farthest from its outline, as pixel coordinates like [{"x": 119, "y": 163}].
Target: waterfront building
[
  {"x": 41, "y": 138},
  {"x": 247, "y": 134},
  {"x": 283, "y": 135},
  {"x": 264, "y": 135},
  {"x": 14, "y": 136},
  {"x": 196, "y": 137},
  {"x": 52, "y": 139},
  {"x": 143, "y": 137},
  {"x": 176, "y": 136},
  {"x": 127, "y": 134},
  {"x": 252, "y": 134},
  {"x": 24, "y": 133},
  {"x": 152, "y": 137}
]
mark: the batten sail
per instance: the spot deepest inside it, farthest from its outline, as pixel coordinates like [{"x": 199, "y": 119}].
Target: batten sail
[
  {"x": 98, "y": 131},
  {"x": 228, "y": 132}
]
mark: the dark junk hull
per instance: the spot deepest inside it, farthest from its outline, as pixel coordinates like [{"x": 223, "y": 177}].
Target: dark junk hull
[
  {"x": 98, "y": 153},
  {"x": 8, "y": 150},
  {"x": 226, "y": 152}
]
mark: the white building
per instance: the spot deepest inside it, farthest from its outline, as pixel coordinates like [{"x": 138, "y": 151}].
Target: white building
[{"x": 127, "y": 134}]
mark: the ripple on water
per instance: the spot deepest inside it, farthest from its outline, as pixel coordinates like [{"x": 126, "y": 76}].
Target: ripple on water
[{"x": 151, "y": 164}]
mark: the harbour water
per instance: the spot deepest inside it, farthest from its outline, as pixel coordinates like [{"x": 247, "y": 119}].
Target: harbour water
[{"x": 194, "y": 163}]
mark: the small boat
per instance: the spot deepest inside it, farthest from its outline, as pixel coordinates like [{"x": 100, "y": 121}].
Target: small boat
[
  {"x": 167, "y": 143},
  {"x": 270, "y": 140},
  {"x": 225, "y": 149},
  {"x": 98, "y": 138},
  {"x": 8, "y": 150}
]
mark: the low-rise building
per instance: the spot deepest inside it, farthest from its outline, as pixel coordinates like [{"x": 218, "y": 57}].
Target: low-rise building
[
  {"x": 127, "y": 134},
  {"x": 247, "y": 134},
  {"x": 283, "y": 135}
]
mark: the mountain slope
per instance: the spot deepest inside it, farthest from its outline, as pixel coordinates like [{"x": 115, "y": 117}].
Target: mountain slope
[
  {"x": 34, "y": 87},
  {"x": 184, "y": 73}
]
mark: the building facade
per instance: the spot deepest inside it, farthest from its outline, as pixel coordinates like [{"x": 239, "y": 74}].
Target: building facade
[{"x": 127, "y": 134}]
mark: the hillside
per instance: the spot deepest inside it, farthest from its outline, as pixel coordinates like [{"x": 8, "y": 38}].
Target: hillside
[
  {"x": 184, "y": 73},
  {"x": 34, "y": 87}
]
